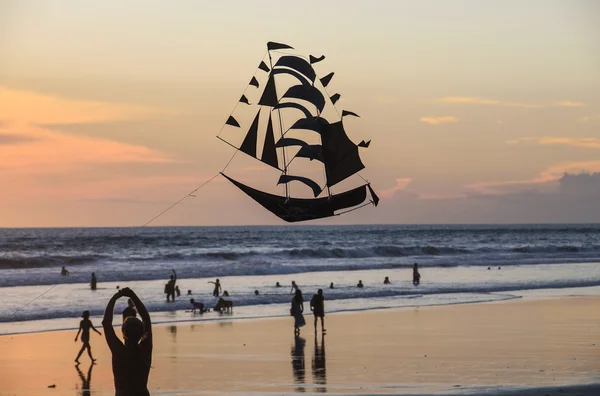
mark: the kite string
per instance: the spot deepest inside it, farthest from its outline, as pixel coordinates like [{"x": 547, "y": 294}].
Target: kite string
[{"x": 148, "y": 222}]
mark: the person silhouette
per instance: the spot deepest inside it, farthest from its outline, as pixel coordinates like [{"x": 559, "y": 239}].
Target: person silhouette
[
  {"x": 277, "y": 284},
  {"x": 217, "y": 288},
  {"x": 64, "y": 271},
  {"x": 84, "y": 328},
  {"x": 177, "y": 291},
  {"x": 297, "y": 310},
  {"x": 360, "y": 284},
  {"x": 294, "y": 287},
  {"x": 93, "y": 282},
  {"x": 317, "y": 306},
  {"x": 331, "y": 286},
  {"x": 130, "y": 310},
  {"x": 86, "y": 383},
  {"x": 131, "y": 361},
  {"x": 386, "y": 281},
  {"x": 416, "y": 275},
  {"x": 170, "y": 286}
]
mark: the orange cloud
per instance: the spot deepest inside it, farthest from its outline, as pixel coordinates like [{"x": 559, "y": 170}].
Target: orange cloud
[
  {"x": 401, "y": 184},
  {"x": 590, "y": 142},
  {"x": 551, "y": 174},
  {"x": 438, "y": 120},
  {"x": 501, "y": 103}
]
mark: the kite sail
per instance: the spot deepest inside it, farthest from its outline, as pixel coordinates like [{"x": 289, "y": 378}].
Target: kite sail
[{"x": 292, "y": 118}]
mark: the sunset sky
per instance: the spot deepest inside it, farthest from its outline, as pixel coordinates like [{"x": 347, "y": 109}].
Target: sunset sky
[{"x": 109, "y": 110}]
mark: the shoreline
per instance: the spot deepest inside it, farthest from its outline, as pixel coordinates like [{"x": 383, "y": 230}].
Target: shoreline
[
  {"x": 522, "y": 346},
  {"x": 166, "y": 318}
]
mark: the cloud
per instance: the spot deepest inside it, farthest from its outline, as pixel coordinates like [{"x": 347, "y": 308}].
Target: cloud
[
  {"x": 567, "y": 103},
  {"x": 589, "y": 142},
  {"x": 552, "y": 174},
  {"x": 6, "y": 139},
  {"x": 501, "y": 103},
  {"x": 401, "y": 184},
  {"x": 34, "y": 108},
  {"x": 438, "y": 120}
]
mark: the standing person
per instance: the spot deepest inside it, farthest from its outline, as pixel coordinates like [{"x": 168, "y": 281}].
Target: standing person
[
  {"x": 130, "y": 310},
  {"x": 217, "y": 288},
  {"x": 360, "y": 284},
  {"x": 177, "y": 291},
  {"x": 131, "y": 360},
  {"x": 64, "y": 271},
  {"x": 317, "y": 306},
  {"x": 294, "y": 287},
  {"x": 84, "y": 328},
  {"x": 416, "y": 275},
  {"x": 297, "y": 310},
  {"x": 170, "y": 286},
  {"x": 386, "y": 281},
  {"x": 94, "y": 281}
]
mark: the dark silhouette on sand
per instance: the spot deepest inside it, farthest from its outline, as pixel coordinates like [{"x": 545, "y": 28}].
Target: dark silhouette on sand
[
  {"x": 131, "y": 361},
  {"x": 130, "y": 310},
  {"x": 170, "y": 286},
  {"x": 298, "y": 365},
  {"x": 296, "y": 311},
  {"x": 416, "y": 275},
  {"x": 360, "y": 284},
  {"x": 386, "y": 281},
  {"x": 317, "y": 306},
  {"x": 217, "y": 288},
  {"x": 319, "y": 369},
  {"x": 93, "y": 282},
  {"x": 86, "y": 382},
  {"x": 84, "y": 328},
  {"x": 277, "y": 284}
]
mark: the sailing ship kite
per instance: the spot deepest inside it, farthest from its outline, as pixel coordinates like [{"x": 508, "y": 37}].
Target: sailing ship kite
[{"x": 291, "y": 97}]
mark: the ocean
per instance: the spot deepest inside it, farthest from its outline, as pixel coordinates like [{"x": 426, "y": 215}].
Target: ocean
[{"x": 453, "y": 261}]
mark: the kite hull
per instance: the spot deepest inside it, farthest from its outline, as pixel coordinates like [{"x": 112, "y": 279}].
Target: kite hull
[{"x": 300, "y": 209}]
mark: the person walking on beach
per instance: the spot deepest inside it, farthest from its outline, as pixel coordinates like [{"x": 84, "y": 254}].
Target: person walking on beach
[
  {"x": 93, "y": 282},
  {"x": 170, "y": 286},
  {"x": 297, "y": 310},
  {"x": 130, "y": 310},
  {"x": 84, "y": 328},
  {"x": 416, "y": 275},
  {"x": 217, "y": 288},
  {"x": 317, "y": 306},
  {"x": 131, "y": 360}
]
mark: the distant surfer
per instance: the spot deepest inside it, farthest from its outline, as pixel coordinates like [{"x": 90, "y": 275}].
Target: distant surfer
[
  {"x": 317, "y": 306},
  {"x": 360, "y": 284},
  {"x": 416, "y": 275},
  {"x": 84, "y": 328},
  {"x": 217, "y": 288},
  {"x": 64, "y": 271},
  {"x": 386, "y": 281},
  {"x": 331, "y": 286},
  {"x": 170, "y": 286},
  {"x": 294, "y": 287},
  {"x": 130, "y": 310},
  {"x": 94, "y": 281}
]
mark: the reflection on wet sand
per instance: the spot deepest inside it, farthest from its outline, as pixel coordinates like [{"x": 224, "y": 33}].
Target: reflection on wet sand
[
  {"x": 86, "y": 383},
  {"x": 319, "y": 370},
  {"x": 298, "y": 368}
]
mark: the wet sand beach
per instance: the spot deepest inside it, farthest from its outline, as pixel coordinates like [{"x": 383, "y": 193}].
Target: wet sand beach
[{"x": 490, "y": 348}]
